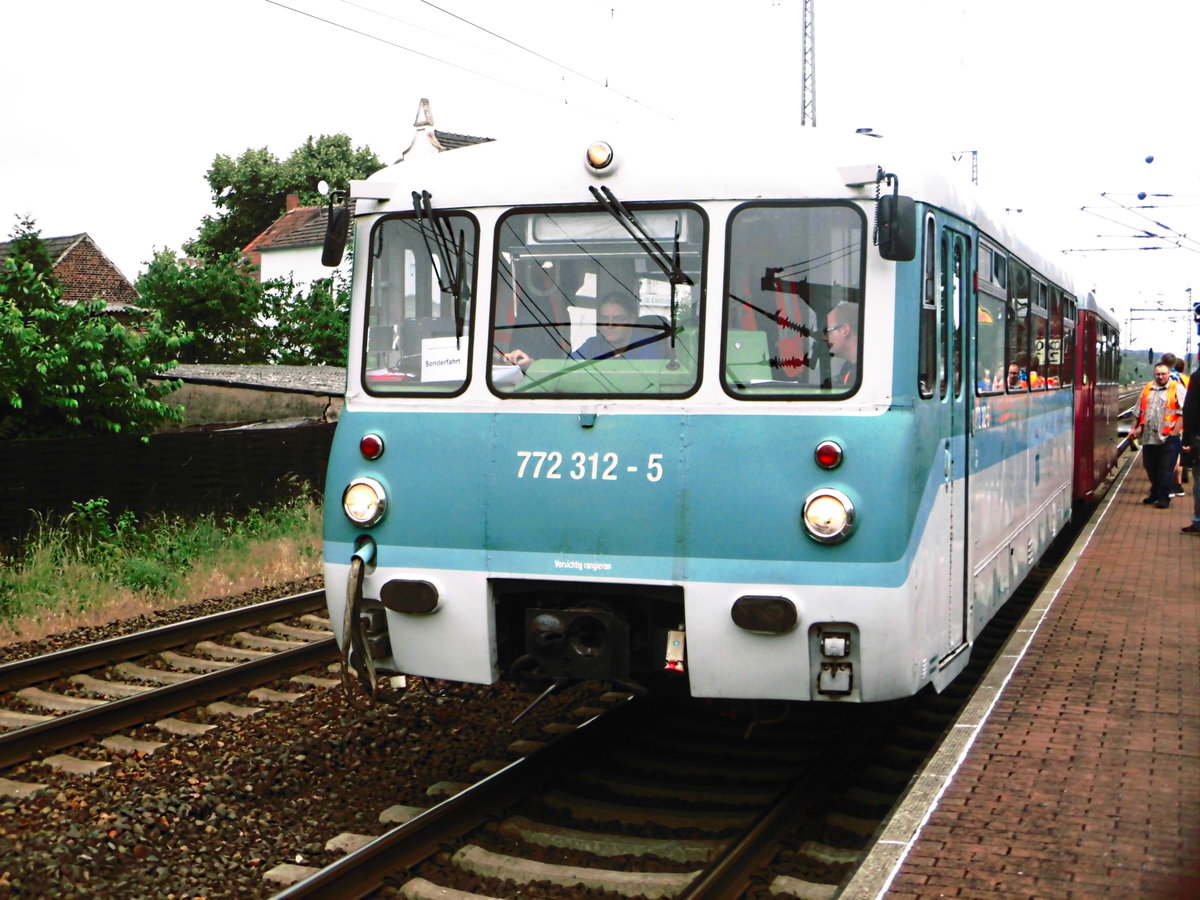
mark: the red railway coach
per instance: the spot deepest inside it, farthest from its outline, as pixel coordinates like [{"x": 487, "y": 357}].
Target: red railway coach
[{"x": 1096, "y": 366}]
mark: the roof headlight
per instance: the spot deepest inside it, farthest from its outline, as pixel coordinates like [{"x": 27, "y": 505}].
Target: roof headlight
[
  {"x": 600, "y": 157},
  {"x": 364, "y": 502},
  {"x": 828, "y": 516}
]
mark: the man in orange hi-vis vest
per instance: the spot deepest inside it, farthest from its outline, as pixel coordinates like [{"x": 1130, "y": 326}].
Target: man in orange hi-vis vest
[{"x": 1160, "y": 427}]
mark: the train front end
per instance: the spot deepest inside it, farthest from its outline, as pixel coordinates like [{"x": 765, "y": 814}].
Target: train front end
[{"x": 562, "y": 457}]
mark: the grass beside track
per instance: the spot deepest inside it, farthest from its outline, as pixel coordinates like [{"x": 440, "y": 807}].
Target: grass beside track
[{"x": 92, "y": 567}]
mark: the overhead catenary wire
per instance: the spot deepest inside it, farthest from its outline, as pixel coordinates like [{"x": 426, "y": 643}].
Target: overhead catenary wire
[
  {"x": 1176, "y": 237},
  {"x": 447, "y": 62},
  {"x": 604, "y": 84},
  {"x": 429, "y": 56}
]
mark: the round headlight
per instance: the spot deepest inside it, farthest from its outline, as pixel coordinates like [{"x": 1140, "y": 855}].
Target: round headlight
[
  {"x": 828, "y": 516},
  {"x": 600, "y": 155},
  {"x": 364, "y": 502}
]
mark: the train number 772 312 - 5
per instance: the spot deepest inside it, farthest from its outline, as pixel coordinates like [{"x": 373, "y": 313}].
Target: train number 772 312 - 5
[{"x": 580, "y": 466}]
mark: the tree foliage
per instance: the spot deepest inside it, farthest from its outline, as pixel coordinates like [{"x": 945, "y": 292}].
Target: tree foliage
[
  {"x": 309, "y": 329},
  {"x": 220, "y": 304},
  {"x": 232, "y": 318},
  {"x": 69, "y": 369},
  {"x": 251, "y": 191}
]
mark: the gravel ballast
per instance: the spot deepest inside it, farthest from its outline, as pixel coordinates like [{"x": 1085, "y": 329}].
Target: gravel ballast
[{"x": 207, "y": 816}]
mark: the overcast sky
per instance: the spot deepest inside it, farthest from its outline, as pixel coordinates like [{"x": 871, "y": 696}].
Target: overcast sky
[{"x": 115, "y": 111}]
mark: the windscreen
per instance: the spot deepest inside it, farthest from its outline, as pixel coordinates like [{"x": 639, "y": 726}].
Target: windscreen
[
  {"x": 418, "y": 320},
  {"x": 582, "y": 307},
  {"x": 793, "y": 313}
]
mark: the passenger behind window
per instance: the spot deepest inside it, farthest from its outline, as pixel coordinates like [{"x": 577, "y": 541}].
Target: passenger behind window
[
  {"x": 990, "y": 382},
  {"x": 1017, "y": 377},
  {"x": 619, "y": 335}
]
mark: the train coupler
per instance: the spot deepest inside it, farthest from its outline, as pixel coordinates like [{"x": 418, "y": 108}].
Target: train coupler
[{"x": 357, "y": 666}]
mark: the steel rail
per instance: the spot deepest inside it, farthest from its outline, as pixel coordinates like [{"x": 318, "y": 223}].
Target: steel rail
[
  {"x": 729, "y": 873},
  {"x": 63, "y": 731},
  {"x": 363, "y": 871},
  {"x": 22, "y": 672}
]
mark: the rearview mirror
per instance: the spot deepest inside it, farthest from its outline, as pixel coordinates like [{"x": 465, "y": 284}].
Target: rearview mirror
[
  {"x": 897, "y": 217},
  {"x": 336, "y": 231}
]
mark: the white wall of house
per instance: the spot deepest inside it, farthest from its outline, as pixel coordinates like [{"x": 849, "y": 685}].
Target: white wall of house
[{"x": 303, "y": 264}]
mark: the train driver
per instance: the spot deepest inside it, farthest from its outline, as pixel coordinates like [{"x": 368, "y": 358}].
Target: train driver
[
  {"x": 615, "y": 338},
  {"x": 841, "y": 336}
]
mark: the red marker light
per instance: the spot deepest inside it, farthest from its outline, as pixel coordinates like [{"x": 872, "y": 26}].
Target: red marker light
[
  {"x": 371, "y": 446},
  {"x": 828, "y": 455}
]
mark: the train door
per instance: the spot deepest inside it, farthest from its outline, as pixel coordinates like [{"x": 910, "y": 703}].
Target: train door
[{"x": 955, "y": 282}]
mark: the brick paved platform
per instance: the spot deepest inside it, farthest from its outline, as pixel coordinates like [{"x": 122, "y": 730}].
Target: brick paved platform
[{"x": 1076, "y": 771}]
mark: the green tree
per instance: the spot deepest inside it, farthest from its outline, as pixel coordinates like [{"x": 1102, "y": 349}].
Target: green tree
[
  {"x": 67, "y": 369},
  {"x": 330, "y": 158},
  {"x": 250, "y": 194},
  {"x": 26, "y": 244},
  {"x": 309, "y": 329},
  {"x": 251, "y": 191},
  {"x": 219, "y": 304}
]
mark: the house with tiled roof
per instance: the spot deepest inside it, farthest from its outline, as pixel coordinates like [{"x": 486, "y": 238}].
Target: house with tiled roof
[
  {"x": 291, "y": 245},
  {"x": 85, "y": 272}
]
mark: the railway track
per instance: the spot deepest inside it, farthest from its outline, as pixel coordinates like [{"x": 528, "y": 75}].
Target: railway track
[
  {"x": 641, "y": 800},
  {"x": 641, "y": 803},
  {"x": 649, "y": 801},
  {"x": 54, "y": 701}
]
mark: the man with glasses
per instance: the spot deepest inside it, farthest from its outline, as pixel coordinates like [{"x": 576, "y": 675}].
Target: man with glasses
[
  {"x": 842, "y": 339},
  {"x": 1160, "y": 427},
  {"x": 619, "y": 335}
]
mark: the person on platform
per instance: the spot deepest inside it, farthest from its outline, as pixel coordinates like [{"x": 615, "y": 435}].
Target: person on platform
[
  {"x": 1160, "y": 427},
  {"x": 1181, "y": 468},
  {"x": 1191, "y": 450}
]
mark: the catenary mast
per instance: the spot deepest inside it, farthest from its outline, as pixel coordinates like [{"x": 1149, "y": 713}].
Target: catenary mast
[{"x": 808, "y": 109}]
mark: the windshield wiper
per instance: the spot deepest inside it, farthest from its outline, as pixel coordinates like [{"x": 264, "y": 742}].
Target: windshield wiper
[
  {"x": 616, "y": 209},
  {"x": 669, "y": 264},
  {"x": 452, "y": 253}
]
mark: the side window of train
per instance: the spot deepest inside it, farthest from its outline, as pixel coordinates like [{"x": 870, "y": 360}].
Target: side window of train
[
  {"x": 1067, "y": 370},
  {"x": 793, "y": 318},
  {"x": 1018, "y": 326},
  {"x": 1104, "y": 369},
  {"x": 419, "y": 310},
  {"x": 991, "y": 368},
  {"x": 927, "y": 343},
  {"x": 943, "y": 303},
  {"x": 1039, "y": 336},
  {"x": 1054, "y": 340},
  {"x": 960, "y": 300}
]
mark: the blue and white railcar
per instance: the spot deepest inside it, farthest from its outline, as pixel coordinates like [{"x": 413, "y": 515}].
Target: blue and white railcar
[{"x": 791, "y": 466}]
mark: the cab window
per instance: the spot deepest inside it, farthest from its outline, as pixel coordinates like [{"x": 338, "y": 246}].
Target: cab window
[
  {"x": 421, "y": 277},
  {"x": 581, "y": 308},
  {"x": 793, "y": 301}
]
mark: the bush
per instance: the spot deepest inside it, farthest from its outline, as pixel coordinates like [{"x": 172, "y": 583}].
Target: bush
[{"x": 69, "y": 369}]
